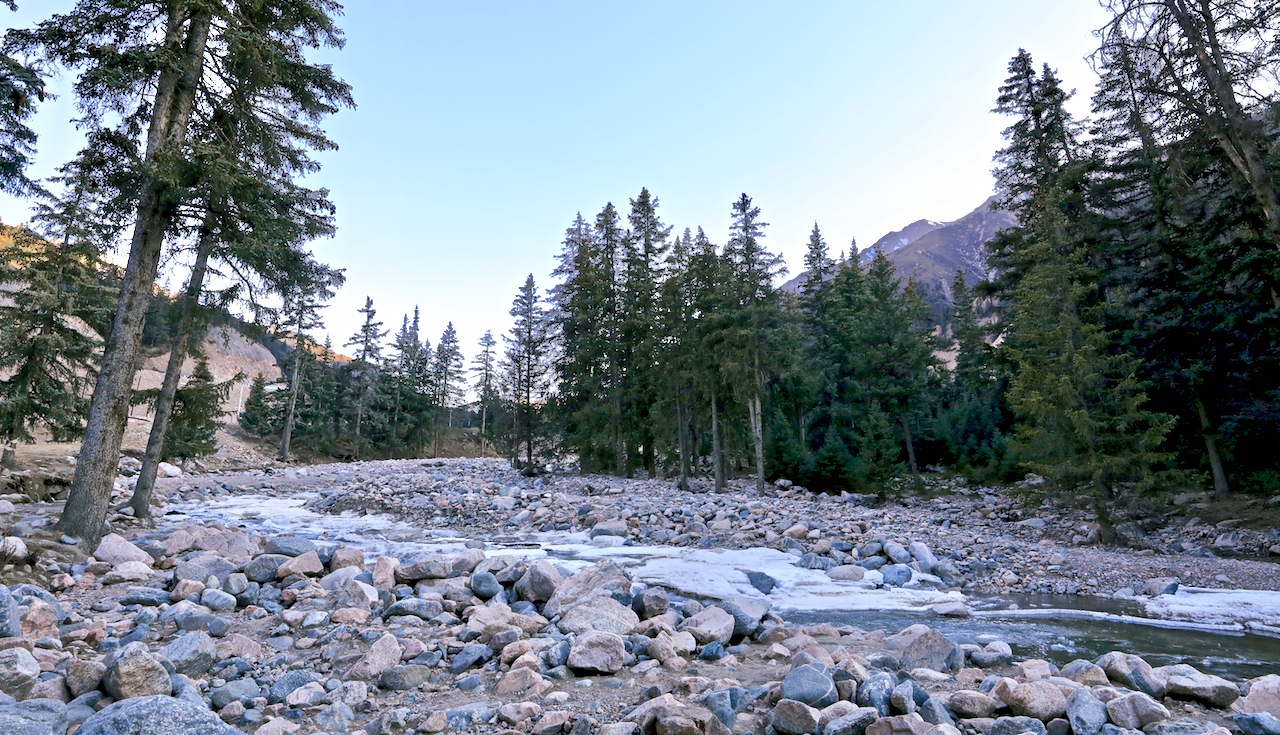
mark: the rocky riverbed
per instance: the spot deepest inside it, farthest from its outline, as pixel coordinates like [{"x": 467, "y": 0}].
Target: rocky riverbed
[{"x": 431, "y": 596}]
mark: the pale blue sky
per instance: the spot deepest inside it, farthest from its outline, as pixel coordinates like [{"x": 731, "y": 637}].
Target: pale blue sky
[{"x": 482, "y": 128}]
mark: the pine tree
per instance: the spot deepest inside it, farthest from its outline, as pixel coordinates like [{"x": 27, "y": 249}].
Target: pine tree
[
  {"x": 526, "y": 371},
  {"x": 47, "y": 358},
  {"x": 261, "y": 415},
  {"x": 484, "y": 365},
  {"x": 448, "y": 373},
  {"x": 363, "y": 370},
  {"x": 644, "y": 248},
  {"x": 197, "y": 413},
  {"x": 20, "y": 86}
]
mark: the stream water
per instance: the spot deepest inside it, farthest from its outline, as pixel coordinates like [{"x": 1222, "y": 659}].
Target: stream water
[{"x": 1230, "y": 633}]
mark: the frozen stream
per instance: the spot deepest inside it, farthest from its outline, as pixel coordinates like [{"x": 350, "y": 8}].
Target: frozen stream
[{"x": 1231, "y": 633}]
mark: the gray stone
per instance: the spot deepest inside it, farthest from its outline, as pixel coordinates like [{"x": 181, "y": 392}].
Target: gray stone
[
  {"x": 19, "y": 671},
  {"x": 1084, "y": 672},
  {"x": 608, "y": 528},
  {"x": 898, "y": 554},
  {"x": 597, "y": 651},
  {"x": 896, "y": 575},
  {"x": 263, "y": 567},
  {"x": 191, "y": 654},
  {"x": 148, "y": 596},
  {"x": 1258, "y": 723},
  {"x": 289, "y": 546},
  {"x": 602, "y": 579},
  {"x": 10, "y": 621},
  {"x": 1136, "y": 710},
  {"x": 761, "y": 581},
  {"x": 471, "y": 654},
  {"x": 990, "y": 659},
  {"x": 289, "y": 682},
  {"x": 747, "y": 613},
  {"x": 461, "y": 718},
  {"x": 204, "y": 566},
  {"x": 1213, "y": 690},
  {"x": 1086, "y": 713},
  {"x": 968, "y": 704},
  {"x": 484, "y": 585},
  {"x": 1133, "y": 672},
  {"x": 84, "y": 676},
  {"x": 35, "y": 717},
  {"x": 902, "y": 698},
  {"x": 1180, "y": 727},
  {"x": 1160, "y": 586},
  {"x": 1017, "y": 726},
  {"x": 425, "y": 609},
  {"x": 811, "y": 685},
  {"x": 217, "y": 600},
  {"x": 134, "y": 672},
  {"x": 1039, "y": 699},
  {"x": 336, "y": 718},
  {"x": 854, "y": 723},
  {"x": 924, "y": 557},
  {"x": 604, "y": 614},
  {"x": 932, "y": 651},
  {"x": 935, "y": 712},
  {"x": 794, "y": 718},
  {"x": 539, "y": 582},
  {"x": 405, "y": 677},
  {"x": 234, "y": 691},
  {"x": 712, "y": 624},
  {"x": 875, "y": 692},
  {"x": 651, "y": 602},
  {"x": 155, "y": 715}
]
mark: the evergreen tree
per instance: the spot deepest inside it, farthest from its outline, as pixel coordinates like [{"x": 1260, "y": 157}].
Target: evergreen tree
[
  {"x": 484, "y": 365},
  {"x": 644, "y": 248},
  {"x": 20, "y": 87},
  {"x": 526, "y": 371},
  {"x": 448, "y": 373},
  {"x": 261, "y": 415},
  {"x": 197, "y": 413},
  {"x": 363, "y": 371}
]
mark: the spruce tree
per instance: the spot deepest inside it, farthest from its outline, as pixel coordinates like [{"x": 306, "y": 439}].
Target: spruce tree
[
  {"x": 526, "y": 372},
  {"x": 484, "y": 365},
  {"x": 363, "y": 372},
  {"x": 259, "y": 416},
  {"x": 197, "y": 413}
]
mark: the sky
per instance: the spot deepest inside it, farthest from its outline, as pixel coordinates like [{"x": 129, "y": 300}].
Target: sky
[{"x": 482, "y": 129}]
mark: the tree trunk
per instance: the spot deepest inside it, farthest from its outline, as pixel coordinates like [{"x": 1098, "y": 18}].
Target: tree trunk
[
  {"x": 1221, "y": 488},
  {"x": 717, "y": 448},
  {"x": 757, "y": 437},
  {"x": 9, "y": 459},
  {"x": 295, "y": 380},
  {"x": 682, "y": 437},
  {"x": 483, "y": 438},
  {"x": 911, "y": 451},
  {"x": 90, "y": 494},
  {"x": 141, "y": 501},
  {"x": 1106, "y": 532}
]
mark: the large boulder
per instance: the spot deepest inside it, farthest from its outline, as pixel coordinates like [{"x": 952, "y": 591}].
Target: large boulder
[
  {"x": 811, "y": 685},
  {"x": 932, "y": 651},
  {"x": 382, "y": 655},
  {"x": 115, "y": 549},
  {"x": 134, "y": 672},
  {"x": 597, "y": 651},
  {"x": 19, "y": 671},
  {"x": 712, "y": 624},
  {"x": 539, "y": 582},
  {"x": 968, "y": 704},
  {"x": 1135, "y": 711},
  {"x": 1264, "y": 695},
  {"x": 155, "y": 716},
  {"x": 747, "y": 613},
  {"x": 605, "y": 614},
  {"x": 602, "y": 579},
  {"x": 794, "y": 718},
  {"x": 202, "y": 567},
  {"x": 1133, "y": 672},
  {"x": 191, "y": 654},
  {"x": 1213, "y": 690},
  {"x": 36, "y": 717},
  {"x": 1038, "y": 699}
]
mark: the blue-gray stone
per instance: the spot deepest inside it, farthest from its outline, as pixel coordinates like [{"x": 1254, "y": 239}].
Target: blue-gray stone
[
  {"x": 10, "y": 621},
  {"x": 288, "y": 682},
  {"x": 902, "y": 699},
  {"x": 1179, "y": 727},
  {"x": 145, "y": 596},
  {"x": 1017, "y": 726},
  {"x": 990, "y": 659},
  {"x": 34, "y": 717},
  {"x": 813, "y": 561},
  {"x": 147, "y": 715},
  {"x": 485, "y": 585},
  {"x": 935, "y": 712},
  {"x": 263, "y": 568},
  {"x": 404, "y": 677},
  {"x": 720, "y": 704},
  {"x": 336, "y": 717},
  {"x": 461, "y": 718},
  {"x": 201, "y": 568},
  {"x": 467, "y": 683},
  {"x": 896, "y": 575},
  {"x": 713, "y": 651},
  {"x": 875, "y": 692},
  {"x": 810, "y": 685},
  {"x": 854, "y": 723},
  {"x": 234, "y": 691},
  {"x": 289, "y": 546},
  {"x": 557, "y": 655},
  {"x": 872, "y": 562},
  {"x": 1258, "y": 723},
  {"x": 761, "y": 581},
  {"x": 1086, "y": 713},
  {"x": 425, "y": 609},
  {"x": 470, "y": 655}
]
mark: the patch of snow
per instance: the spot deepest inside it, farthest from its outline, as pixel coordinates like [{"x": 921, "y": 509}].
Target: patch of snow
[{"x": 1256, "y": 609}]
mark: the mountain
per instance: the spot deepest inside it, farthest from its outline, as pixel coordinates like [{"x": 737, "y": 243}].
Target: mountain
[{"x": 929, "y": 252}]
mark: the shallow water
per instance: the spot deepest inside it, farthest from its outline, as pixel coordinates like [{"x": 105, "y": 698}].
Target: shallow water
[{"x": 1215, "y": 631}]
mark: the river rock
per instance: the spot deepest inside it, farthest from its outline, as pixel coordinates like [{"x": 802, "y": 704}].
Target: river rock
[
  {"x": 35, "y": 717},
  {"x": 896, "y": 575},
  {"x": 794, "y": 718},
  {"x": 518, "y": 681},
  {"x": 346, "y": 556},
  {"x": 811, "y": 685},
  {"x": 382, "y": 655},
  {"x": 847, "y": 573},
  {"x": 712, "y": 624},
  {"x": 10, "y": 619},
  {"x": 876, "y": 691},
  {"x": 967, "y": 703},
  {"x": 472, "y": 654},
  {"x": 854, "y": 723},
  {"x": 134, "y": 672},
  {"x": 289, "y": 546},
  {"x": 597, "y": 651},
  {"x": 1086, "y": 713},
  {"x": 602, "y": 579},
  {"x": 650, "y": 603},
  {"x": 233, "y": 691},
  {"x": 155, "y": 715},
  {"x": 114, "y": 549},
  {"x": 202, "y": 567},
  {"x": 923, "y": 556},
  {"x": 128, "y": 571},
  {"x": 932, "y": 651},
  {"x": 308, "y": 563},
  {"x": 432, "y": 567},
  {"x": 1264, "y": 695},
  {"x": 1258, "y": 723},
  {"x": 417, "y": 607},
  {"x": 747, "y": 613},
  {"x": 1160, "y": 586},
  {"x": 485, "y": 586},
  {"x": 1017, "y": 726},
  {"x": 910, "y": 724},
  {"x": 539, "y": 582},
  {"x": 1084, "y": 672},
  {"x": 1038, "y": 699},
  {"x": 19, "y": 672},
  {"x": 604, "y": 614},
  {"x": 84, "y": 676},
  {"x": 1213, "y": 690},
  {"x": 288, "y": 683},
  {"x": 1136, "y": 710},
  {"x": 1133, "y": 672},
  {"x": 191, "y": 654},
  {"x": 405, "y": 677}
]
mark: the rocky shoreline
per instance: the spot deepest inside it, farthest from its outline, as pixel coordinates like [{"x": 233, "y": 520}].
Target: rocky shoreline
[{"x": 212, "y": 628}]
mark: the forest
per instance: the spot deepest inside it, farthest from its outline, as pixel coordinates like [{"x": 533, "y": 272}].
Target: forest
[{"x": 1124, "y": 345}]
